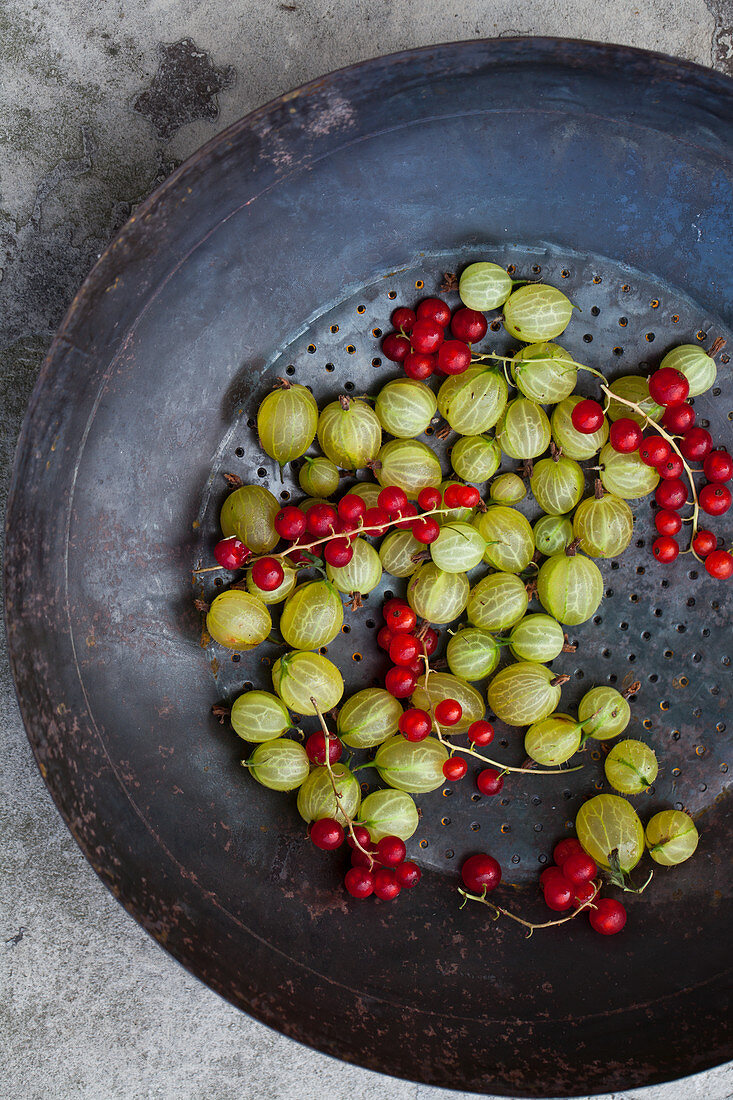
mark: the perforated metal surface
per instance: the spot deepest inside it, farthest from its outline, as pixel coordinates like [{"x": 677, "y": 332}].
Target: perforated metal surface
[{"x": 666, "y": 626}]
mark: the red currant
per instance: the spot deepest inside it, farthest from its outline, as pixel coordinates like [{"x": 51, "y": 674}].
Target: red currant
[
  {"x": 267, "y": 574},
  {"x": 718, "y": 466},
  {"x": 587, "y": 416},
  {"x": 290, "y": 522},
  {"x": 403, "y": 318},
  {"x": 399, "y": 617},
  {"x": 428, "y": 499},
  {"x": 315, "y": 746},
  {"x": 671, "y": 494},
  {"x": 696, "y": 443},
  {"x": 667, "y": 523},
  {"x": 231, "y": 553},
  {"x": 434, "y": 309},
  {"x": 671, "y": 467},
  {"x": 579, "y": 868},
  {"x": 327, "y": 834},
  {"x": 454, "y": 357},
  {"x": 386, "y": 886},
  {"x": 583, "y": 892},
  {"x": 608, "y": 917},
  {"x": 384, "y": 638},
  {"x": 395, "y": 347},
  {"x": 362, "y": 859},
  {"x": 404, "y": 650},
  {"x": 481, "y": 732},
  {"x": 489, "y": 781},
  {"x": 391, "y": 851},
  {"x": 407, "y": 513},
  {"x": 400, "y": 682},
  {"x": 376, "y": 520},
  {"x": 719, "y": 564},
  {"x": 665, "y": 549},
  {"x": 391, "y": 499},
  {"x": 454, "y": 769},
  {"x": 558, "y": 893},
  {"x": 668, "y": 386},
  {"x": 625, "y": 435},
  {"x": 359, "y": 882},
  {"x": 338, "y": 552},
  {"x": 452, "y": 496},
  {"x": 419, "y": 365},
  {"x": 704, "y": 542},
  {"x": 715, "y": 499},
  {"x": 550, "y": 873},
  {"x": 408, "y": 874},
  {"x": 448, "y": 712},
  {"x": 425, "y": 529},
  {"x": 480, "y": 872},
  {"x": 654, "y": 450},
  {"x": 362, "y": 835},
  {"x": 469, "y": 325},
  {"x": 426, "y": 336},
  {"x": 468, "y": 496},
  {"x": 320, "y": 520},
  {"x": 414, "y": 724},
  {"x": 351, "y": 507},
  {"x": 430, "y": 641},
  {"x": 566, "y": 848},
  {"x": 678, "y": 419}
]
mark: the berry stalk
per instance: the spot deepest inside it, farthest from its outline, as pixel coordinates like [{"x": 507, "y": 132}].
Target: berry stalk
[
  {"x": 336, "y": 792},
  {"x": 529, "y": 925}
]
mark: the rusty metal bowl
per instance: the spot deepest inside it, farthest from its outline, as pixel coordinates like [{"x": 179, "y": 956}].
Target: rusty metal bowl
[{"x": 280, "y": 248}]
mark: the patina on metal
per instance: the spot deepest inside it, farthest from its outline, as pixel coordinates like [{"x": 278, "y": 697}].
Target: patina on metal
[{"x": 280, "y": 249}]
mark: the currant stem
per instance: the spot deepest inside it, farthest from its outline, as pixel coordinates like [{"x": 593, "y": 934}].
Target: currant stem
[
  {"x": 528, "y": 924},
  {"x": 380, "y": 528},
  {"x": 336, "y": 793},
  {"x": 495, "y": 763}
]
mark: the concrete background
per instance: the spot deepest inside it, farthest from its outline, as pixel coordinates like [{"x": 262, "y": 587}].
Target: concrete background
[{"x": 100, "y": 101}]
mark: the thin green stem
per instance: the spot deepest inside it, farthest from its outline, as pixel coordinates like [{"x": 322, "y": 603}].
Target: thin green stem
[{"x": 336, "y": 792}]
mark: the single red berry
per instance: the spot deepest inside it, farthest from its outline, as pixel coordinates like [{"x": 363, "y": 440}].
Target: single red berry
[
  {"x": 362, "y": 835},
  {"x": 395, "y": 347},
  {"x": 403, "y": 318},
  {"x": 715, "y": 499},
  {"x": 231, "y": 553},
  {"x": 455, "y": 768},
  {"x": 359, "y": 882},
  {"x": 267, "y": 574},
  {"x": 351, "y": 507},
  {"x": 579, "y": 868},
  {"x": 391, "y": 499},
  {"x": 667, "y": 523},
  {"x": 608, "y": 917},
  {"x": 428, "y": 499},
  {"x": 665, "y": 549},
  {"x": 549, "y": 873},
  {"x": 386, "y": 886},
  {"x": 704, "y": 542},
  {"x": 671, "y": 494},
  {"x": 668, "y": 386},
  {"x": 430, "y": 641},
  {"x": 448, "y": 712},
  {"x": 320, "y": 519},
  {"x": 480, "y": 732},
  {"x": 654, "y": 450},
  {"x": 625, "y": 436},
  {"x": 718, "y": 466},
  {"x": 315, "y": 746},
  {"x": 454, "y": 357},
  {"x": 400, "y": 682},
  {"x": 558, "y": 893},
  {"x": 300, "y": 557},
  {"x": 489, "y": 781},
  {"x": 349, "y": 528},
  {"x": 426, "y": 336},
  {"x": 414, "y": 724},
  {"x": 469, "y": 325},
  {"x": 362, "y": 859},
  {"x": 696, "y": 444},
  {"x": 376, "y": 520},
  {"x": 425, "y": 529},
  {"x": 404, "y": 650},
  {"x": 469, "y": 496},
  {"x": 583, "y": 892},
  {"x": 391, "y": 851},
  {"x": 419, "y": 365},
  {"x": 480, "y": 872},
  {"x": 327, "y": 834},
  {"x": 671, "y": 467},
  {"x": 433, "y": 309},
  {"x": 719, "y": 564},
  {"x": 406, "y": 516},
  {"x": 678, "y": 419},
  {"x": 399, "y": 617},
  {"x": 290, "y": 522},
  {"x": 408, "y": 874},
  {"x": 384, "y": 638},
  {"x": 452, "y": 496},
  {"x": 587, "y": 416},
  {"x": 338, "y": 552},
  {"x": 565, "y": 848}
]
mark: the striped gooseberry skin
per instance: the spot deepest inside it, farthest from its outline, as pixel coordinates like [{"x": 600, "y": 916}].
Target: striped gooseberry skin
[
  {"x": 286, "y": 423},
  {"x": 484, "y": 286},
  {"x": 524, "y": 430},
  {"x": 552, "y": 533},
  {"x": 312, "y": 616},
  {"x": 508, "y": 537},
  {"x": 389, "y": 813},
  {"x": 537, "y": 638},
  {"x": 445, "y": 685},
  {"x": 604, "y": 526},
  {"x": 475, "y": 458},
  {"x": 410, "y": 465},
  {"x": 349, "y": 436},
  {"x": 625, "y": 475},
  {"x": 368, "y": 718},
  {"x": 537, "y": 312},
  {"x": 396, "y": 552},
  {"x": 523, "y": 693},
  {"x": 558, "y": 484},
  {"x": 283, "y": 590},
  {"x": 698, "y": 367},
  {"x": 249, "y": 513},
  {"x": 472, "y": 402},
  {"x": 633, "y": 387},
  {"x": 507, "y": 489},
  {"x": 472, "y": 653},
  {"x": 362, "y": 574},
  {"x": 497, "y": 602},
  {"x": 238, "y": 620},
  {"x": 631, "y": 766},
  {"x": 259, "y": 716},
  {"x": 405, "y": 407},
  {"x": 606, "y": 824},
  {"x": 553, "y": 740},
  {"x": 319, "y": 477},
  {"x": 437, "y": 596},
  {"x": 572, "y": 443},
  {"x": 415, "y": 767},
  {"x": 544, "y": 372},
  {"x": 671, "y": 837},
  {"x": 604, "y": 713},
  {"x": 297, "y": 675},
  {"x": 458, "y": 548},
  {"x": 281, "y": 764},
  {"x": 316, "y": 798},
  {"x": 570, "y": 587}
]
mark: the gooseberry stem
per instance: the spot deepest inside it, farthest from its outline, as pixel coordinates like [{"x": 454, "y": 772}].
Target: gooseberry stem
[
  {"x": 336, "y": 793},
  {"x": 520, "y": 920}
]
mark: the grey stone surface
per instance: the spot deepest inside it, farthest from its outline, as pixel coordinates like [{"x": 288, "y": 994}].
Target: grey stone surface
[{"x": 100, "y": 100}]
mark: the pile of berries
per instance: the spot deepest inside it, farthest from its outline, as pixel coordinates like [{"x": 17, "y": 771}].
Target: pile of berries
[
  {"x": 381, "y": 869},
  {"x": 419, "y": 342}
]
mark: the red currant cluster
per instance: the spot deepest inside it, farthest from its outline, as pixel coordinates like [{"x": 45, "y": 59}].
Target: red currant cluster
[
  {"x": 419, "y": 342},
  {"x": 380, "y": 869}
]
